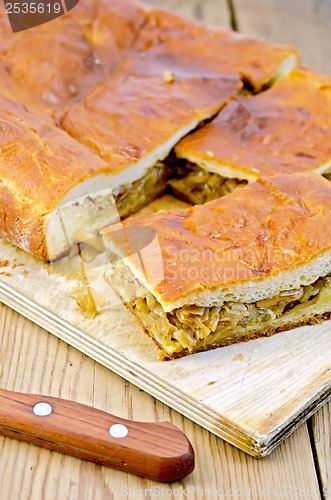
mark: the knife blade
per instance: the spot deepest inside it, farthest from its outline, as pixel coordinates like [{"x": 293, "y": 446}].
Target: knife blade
[{"x": 158, "y": 451}]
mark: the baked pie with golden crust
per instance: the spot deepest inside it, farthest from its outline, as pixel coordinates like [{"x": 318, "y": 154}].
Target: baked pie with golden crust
[
  {"x": 284, "y": 129},
  {"x": 250, "y": 264}
]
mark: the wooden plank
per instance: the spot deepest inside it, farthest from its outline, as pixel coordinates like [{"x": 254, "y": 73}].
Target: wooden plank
[
  {"x": 322, "y": 438},
  {"x": 212, "y": 12},
  {"x": 34, "y": 361},
  {"x": 304, "y": 24}
]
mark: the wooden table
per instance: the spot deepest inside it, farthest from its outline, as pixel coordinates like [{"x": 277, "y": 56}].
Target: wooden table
[{"x": 32, "y": 360}]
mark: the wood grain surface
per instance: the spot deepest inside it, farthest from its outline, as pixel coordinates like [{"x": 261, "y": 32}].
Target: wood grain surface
[
  {"x": 305, "y": 24},
  {"x": 321, "y": 441},
  {"x": 34, "y": 361},
  {"x": 212, "y": 12}
]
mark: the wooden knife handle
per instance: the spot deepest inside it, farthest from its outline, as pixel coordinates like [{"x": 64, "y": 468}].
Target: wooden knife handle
[{"x": 158, "y": 451}]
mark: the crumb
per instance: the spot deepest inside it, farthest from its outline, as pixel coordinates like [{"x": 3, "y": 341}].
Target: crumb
[
  {"x": 5, "y": 274},
  {"x": 19, "y": 264},
  {"x": 25, "y": 272},
  {"x": 73, "y": 89},
  {"x": 212, "y": 382},
  {"x": 4, "y": 263},
  {"x": 168, "y": 77},
  {"x": 85, "y": 301},
  {"x": 210, "y": 154},
  {"x": 238, "y": 357}
]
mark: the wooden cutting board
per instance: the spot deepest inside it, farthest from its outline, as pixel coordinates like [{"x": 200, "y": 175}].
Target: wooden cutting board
[{"x": 252, "y": 395}]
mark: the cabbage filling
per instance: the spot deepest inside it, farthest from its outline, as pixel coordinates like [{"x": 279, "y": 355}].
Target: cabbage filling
[
  {"x": 192, "y": 328},
  {"x": 129, "y": 198},
  {"x": 195, "y": 185}
]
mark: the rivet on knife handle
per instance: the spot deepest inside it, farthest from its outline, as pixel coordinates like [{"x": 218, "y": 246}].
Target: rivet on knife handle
[{"x": 158, "y": 451}]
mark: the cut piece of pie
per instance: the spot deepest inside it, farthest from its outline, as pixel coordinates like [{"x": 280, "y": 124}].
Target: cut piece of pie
[
  {"x": 51, "y": 187},
  {"x": 188, "y": 47},
  {"x": 285, "y": 129},
  {"x": 251, "y": 264},
  {"x": 176, "y": 75}
]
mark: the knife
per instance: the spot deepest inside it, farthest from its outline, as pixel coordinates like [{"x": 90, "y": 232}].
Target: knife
[{"x": 158, "y": 451}]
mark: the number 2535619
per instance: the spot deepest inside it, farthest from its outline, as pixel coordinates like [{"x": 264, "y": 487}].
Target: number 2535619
[{"x": 33, "y": 8}]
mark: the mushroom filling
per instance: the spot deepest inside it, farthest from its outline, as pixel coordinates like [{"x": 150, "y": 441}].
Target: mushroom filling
[{"x": 195, "y": 185}]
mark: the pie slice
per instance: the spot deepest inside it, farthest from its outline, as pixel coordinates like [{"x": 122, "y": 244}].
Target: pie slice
[
  {"x": 185, "y": 46},
  {"x": 251, "y": 264},
  {"x": 51, "y": 187},
  {"x": 56, "y": 191},
  {"x": 285, "y": 129},
  {"x": 175, "y": 75}
]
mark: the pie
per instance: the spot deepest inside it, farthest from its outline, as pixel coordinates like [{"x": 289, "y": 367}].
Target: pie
[
  {"x": 93, "y": 102},
  {"x": 284, "y": 129},
  {"x": 250, "y": 264},
  {"x": 111, "y": 105}
]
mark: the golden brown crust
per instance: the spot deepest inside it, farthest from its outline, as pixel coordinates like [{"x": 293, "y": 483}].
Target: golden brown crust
[
  {"x": 285, "y": 129},
  {"x": 59, "y": 62},
  {"x": 267, "y": 227},
  {"x": 205, "y": 67},
  {"x": 39, "y": 164},
  {"x": 136, "y": 111},
  {"x": 187, "y": 45}
]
